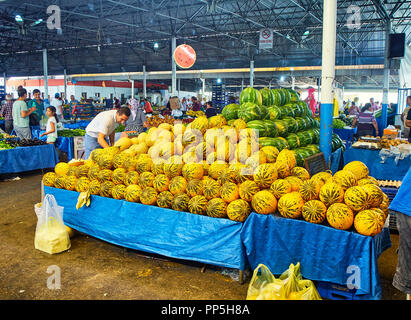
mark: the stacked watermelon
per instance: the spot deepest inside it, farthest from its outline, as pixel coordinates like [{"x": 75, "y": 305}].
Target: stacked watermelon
[{"x": 282, "y": 119}]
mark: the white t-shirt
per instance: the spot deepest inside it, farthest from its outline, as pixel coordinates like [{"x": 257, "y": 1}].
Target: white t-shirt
[
  {"x": 56, "y": 103},
  {"x": 48, "y": 127},
  {"x": 104, "y": 122}
]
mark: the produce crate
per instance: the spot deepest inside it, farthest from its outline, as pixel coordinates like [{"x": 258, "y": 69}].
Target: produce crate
[
  {"x": 332, "y": 291},
  {"x": 391, "y": 192}
]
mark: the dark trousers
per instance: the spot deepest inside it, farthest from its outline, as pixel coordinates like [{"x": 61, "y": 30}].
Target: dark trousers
[{"x": 8, "y": 126}]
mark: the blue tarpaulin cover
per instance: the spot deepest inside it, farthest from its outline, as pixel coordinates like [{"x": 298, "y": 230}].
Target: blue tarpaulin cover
[
  {"x": 388, "y": 170},
  {"x": 402, "y": 200},
  {"x": 345, "y": 134},
  {"x": 152, "y": 229},
  {"x": 325, "y": 253},
  {"x": 22, "y": 159},
  {"x": 65, "y": 144}
]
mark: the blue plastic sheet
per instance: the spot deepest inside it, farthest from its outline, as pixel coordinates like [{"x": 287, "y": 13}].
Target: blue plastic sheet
[
  {"x": 152, "y": 229},
  {"x": 402, "y": 199},
  {"x": 78, "y": 125},
  {"x": 388, "y": 170},
  {"x": 324, "y": 253},
  {"x": 2, "y": 124},
  {"x": 345, "y": 134},
  {"x": 335, "y": 160},
  {"x": 28, "y": 158},
  {"x": 64, "y": 144}
]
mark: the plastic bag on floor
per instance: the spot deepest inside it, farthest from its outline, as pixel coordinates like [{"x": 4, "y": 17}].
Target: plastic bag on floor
[
  {"x": 289, "y": 286},
  {"x": 51, "y": 233}
]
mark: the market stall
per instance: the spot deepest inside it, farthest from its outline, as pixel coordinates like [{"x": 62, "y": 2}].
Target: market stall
[
  {"x": 167, "y": 232},
  {"x": 326, "y": 254},
  {"x": 21, "y": 159}
]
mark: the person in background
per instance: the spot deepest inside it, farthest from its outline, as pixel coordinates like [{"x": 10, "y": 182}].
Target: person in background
[
  {"x": 176, "y": 113},
  {"x": 137, "y": 120},
  {"x": 408, "y": 119},
  {"x": 147, "y": 106},
  {"x": 210, "y": 111},
  {"x": 374, "y": 106},
  {"x": 57, "y": 102},
  {"x": 183, "y": 105},
  {"x": 21, "y": 115},
  {"x": 7, "y": 112},
  {"x": 116, "y": 103},
  {"x": 404, "y": 118},
  {"x": 37, "y": 102},
  {"x": 102, "y": 128},
  {"x": 73, "y": 101},
  {"x": 365, "y": 121},
  {"x": 51, "y": 128},
  {"x": 400, "y": 206},
  {"x": 312, "y": 103},
  {"x": 353, "y": 110},
  {"x": 196, "y": 104}
]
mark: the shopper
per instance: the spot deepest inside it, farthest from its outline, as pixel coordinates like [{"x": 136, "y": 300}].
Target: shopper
[
  {"x": 408, "y": 119},
  {"x": 404, "y": 118},
  {"x": 37, "y": 102},
  {"x": 73, "y": 101},
  {"x": 116, "y": 104},
  {"x": 51, "y": 128},
  {"x": 183, "y": 105},
  {"x": 196, "y": 104},
  {"x": 101, "y": 130},
  {"x": 57, "y": 102},
  {"x": 137, "y": 120},
  {"x": 402, "y": 209},
  {"x": 354, "y": 110},
  {"x": 210, "y": 111},
  {"x": 311, "y": 101},
  {"x": 365, "y": 121},
  {"x": 21, "y": 115},
  {"x": 147, "y": 106},
  {"x": 374, "y": 106},
  {"x": 7, "y": 112}
]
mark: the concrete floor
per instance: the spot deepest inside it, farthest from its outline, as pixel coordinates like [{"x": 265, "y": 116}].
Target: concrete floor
[{"x": 93, "y": 269}]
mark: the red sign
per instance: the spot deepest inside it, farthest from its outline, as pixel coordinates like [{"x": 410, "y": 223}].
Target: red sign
[{"x": 184, "y": 56}]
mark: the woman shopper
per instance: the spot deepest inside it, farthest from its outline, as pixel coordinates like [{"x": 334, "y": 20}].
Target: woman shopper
[
  {"x": 365, "y": 121},
  {"x": 51, "y": 128},
  {"x": 7, "y": 112},
  {"x": 36, "y": 116},
  {"x": 137, "y": 120},
  {"x": 21, "y": 115}
]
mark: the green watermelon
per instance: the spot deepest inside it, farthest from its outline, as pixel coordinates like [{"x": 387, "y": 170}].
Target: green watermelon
[
  {"x": 299, "y": 157},
  {"x": 281, "y": 127},
  {"x": 267, "y": 96},
  {"x": 258, "y": 125},
  {"x": 292, "y": 125},
  {"x": 304, "y": 138},
  {"x": 300, "y": 123},
  {"x": 230, "y": 111},
  {"x": 251, "y": 95},
  {"x": 276, "y": 97},
  {"x": 250, "y": 111},
  {"x": 314, "y": 148},
  {"x": 279, "y": 143},
  {"x": 270, "y": 128},
  {"x": 293, "y": 141},
  {"x": 287, "y": 96},
  {"x": 274, "y": 112},
  {"x": 294, "y": 95},
  {"x": 309, "y": 122}
]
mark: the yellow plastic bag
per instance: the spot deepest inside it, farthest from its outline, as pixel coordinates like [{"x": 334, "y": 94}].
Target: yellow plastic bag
[
  {"x": 51, "y": 233},
  {"x": 288, "y": 286}
]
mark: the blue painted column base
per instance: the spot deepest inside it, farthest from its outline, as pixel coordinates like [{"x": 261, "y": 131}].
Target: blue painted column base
[{"x": 326, "y": 130}]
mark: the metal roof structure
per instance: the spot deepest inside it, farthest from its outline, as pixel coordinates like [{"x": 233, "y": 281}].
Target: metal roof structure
[{"x": 106, "y": 36}]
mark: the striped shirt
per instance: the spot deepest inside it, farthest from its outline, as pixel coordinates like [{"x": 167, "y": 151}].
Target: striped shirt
[
  {"x": 7, "y": 110},
  {"x": 366, "y": 117}
]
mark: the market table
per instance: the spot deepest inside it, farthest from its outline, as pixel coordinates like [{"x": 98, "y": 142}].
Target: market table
[
  {"x": 22, "y": 159},
  {"x": 78, "y": 125},
  {"x": 345, "y": 134},
  {"x": 326, "y": 254},
  {"x": 388, "y": 170},
  {"x": 64, "y": 144},
  {"x": 152, "y": 229}
]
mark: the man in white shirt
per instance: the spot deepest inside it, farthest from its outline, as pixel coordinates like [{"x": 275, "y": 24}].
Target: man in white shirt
[
  {"x": 103, "y": 126},
  {"x": 57, "y": 103}
]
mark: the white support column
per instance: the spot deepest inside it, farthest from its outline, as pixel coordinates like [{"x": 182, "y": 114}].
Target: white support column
[
  {"x": 179, "y": 80},
  {"x": 65, "y": 86},
  {"x": 204, "y": 87},
  {"x": 242, "y": 84},
  {"x": 327, "y": 77},
  {"x": 45, "y": 72},
  {"x": 269, "y": 85},
  {"x": 293, "y": 83},
  {"x": 384, "y": 110},
  {"x": 144, "y": 82},
  {"x": 132, "y": 88},
  {"x": 173, "y": 67},
  {"x": 251, "y": 73}
]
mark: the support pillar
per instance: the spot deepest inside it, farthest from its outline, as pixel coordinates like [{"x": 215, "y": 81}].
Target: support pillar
[
  {"x": 327, "y": 77},
  {"x": 65, "y": 86},
  {"x": 292, "y": 83},
  {"x": 45, "y": 73},
  {"x": 384, "y": 110},
  {"x": 144, "y": 82},
  {"x": 132, "y": 88},
  {"x": 173, "y": 67},
  {"x": 251, "y": 73}
]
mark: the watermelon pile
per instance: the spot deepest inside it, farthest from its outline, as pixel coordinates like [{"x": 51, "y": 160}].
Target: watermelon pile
[{"x": 282, "y": 119}]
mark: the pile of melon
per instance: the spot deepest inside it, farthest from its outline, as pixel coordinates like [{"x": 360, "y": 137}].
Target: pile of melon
[{"x": 210, "y": 168}]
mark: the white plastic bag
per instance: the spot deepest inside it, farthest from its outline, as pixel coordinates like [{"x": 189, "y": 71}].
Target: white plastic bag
[{"x": 51, "y": 233}]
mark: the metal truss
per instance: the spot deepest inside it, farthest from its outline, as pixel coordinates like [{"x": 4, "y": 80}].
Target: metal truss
[{"x": 111, "y": 36}]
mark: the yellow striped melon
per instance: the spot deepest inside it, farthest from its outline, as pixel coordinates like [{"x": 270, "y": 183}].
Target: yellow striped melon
[
  {"x": 198, "y": 205},
  {"x": 194, "y": 187},
  {"x": 177, "y": 185},
  {"x": 238, "y": 210},
  {"x": 300, "y": 173},
  {"x": 346, "y": 179},
  {"x": 280, "y": 187},
  {"x": 291, "y": 205},
  {"x": 48, "y": 179},
  {"x": 94, "y": 187},
  {"x": 330, "y": 193},
  {"x": 356, "y": 198},
  {"x": 247, "y": 190},
  {"x": 340, "y": 216},
  {"x": 358, "y": 168},
  {"x": 217, "y": 208},
  {"x": 310, "y": 189},
  {"x": 161, "y": 183},
  {"x": 180, "y": 202},
  {"x": 118, "y": 191},
  {"x": 82, "y": 184},
  {"x": 294, "y": 182},
  {"x": 148, "y": 196},
  {"x": 229, "y": 192},
  {"x": 165, "y": 199},
  {"x": 132, "y": 193},
  {"x": 314, "y": 211},
  {"x": 264, "y": 202},
  {"x": 265, "y": 175},
  {"x": 211, "y": 189}
]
